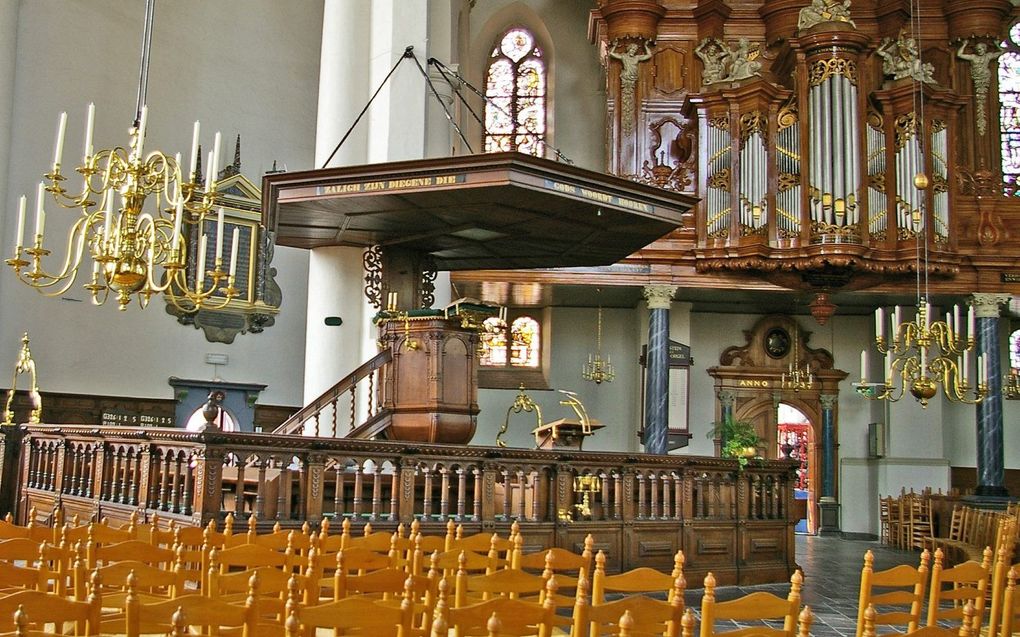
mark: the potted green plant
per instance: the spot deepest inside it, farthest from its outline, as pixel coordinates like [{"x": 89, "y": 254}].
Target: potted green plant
[{"x": 738, "y": 439}]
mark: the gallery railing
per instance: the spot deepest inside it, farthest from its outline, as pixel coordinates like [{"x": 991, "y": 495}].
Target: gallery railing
[{"x": 198, "y": 477}]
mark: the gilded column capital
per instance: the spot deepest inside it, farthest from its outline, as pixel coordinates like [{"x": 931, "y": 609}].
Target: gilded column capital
[
  {"x": 828, "y": 401},
  {"x": 986, "y": 305},
  {"x": 659, "y": 297}
]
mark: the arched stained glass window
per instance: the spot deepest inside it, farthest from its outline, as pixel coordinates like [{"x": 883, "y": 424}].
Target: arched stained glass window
[
  {"x": 515, "y": 91},
  {"x": 1014, "y": 352},
  {"x": 513, "y": 345},
  {"x": 1009, "y": 110}
]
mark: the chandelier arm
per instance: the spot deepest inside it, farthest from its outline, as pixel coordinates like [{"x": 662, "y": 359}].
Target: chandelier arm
[{"x": 41, "y": 279}]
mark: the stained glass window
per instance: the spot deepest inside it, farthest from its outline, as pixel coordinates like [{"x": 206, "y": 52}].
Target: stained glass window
[
  {"x": 515, "y": 91},
  {"x": 513, "y": 345},
  {"x": 1014, "y": 352},
  {"x": 1009, "y": 110}
]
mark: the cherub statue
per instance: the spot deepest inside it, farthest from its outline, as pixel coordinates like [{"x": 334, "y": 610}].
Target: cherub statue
[
  {"x": 901, "y": 59},
  {"x": 981, "y": 76},
  {"x": 742, "y": 61},
  {"x": 824, "y": 11}
]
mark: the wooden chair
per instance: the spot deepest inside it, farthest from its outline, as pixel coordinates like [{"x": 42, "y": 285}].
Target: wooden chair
[
  {"x": 921, "y": 528},
  {"x": 648, "y": 616},
  {"x": 969, "y": 583},
  {"x": 868, "y": 628},
  {"x": 42, "y": 608},
  {"x": 133, "y": 550},
  {"x": 757, "y": 606},
  {"x": 954, "y": 533},
  {"x": 1006, "y": 543},
  {"x": 902, "y": 593},
  {"x": 1008, "y": 617},
  {"x": 247, "y": 556},
  {"x": 638, "y": 580},
  {"x": 371, "y": 617},
  {"x": 20, "y": 550},
  {"x": 210, "y": 615},
  {"x": 509, "y": 583},
  {"x": 512, "y": 616},
  {"x": 21, "y": 578}
]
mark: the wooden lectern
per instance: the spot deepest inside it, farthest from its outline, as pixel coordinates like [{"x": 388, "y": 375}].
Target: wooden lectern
[{"x": 565, "y": 433}]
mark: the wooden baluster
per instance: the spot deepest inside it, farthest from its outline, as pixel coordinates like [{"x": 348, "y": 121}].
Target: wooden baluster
[
  {"x": 642, "y": 501},
  {"x": 124, "y": 497},
  {"x": 354, "y": 406},
  {"x": 136, "y": 478},
  {"x": 85, "y": 467},
  {"x": 519, "y": 505},
  {"x": 239, "y": 486},
  {"x": 33, "y": 462},
  {"x": 318, "y": 431},
  {"x": 302, "y": 484},
  {"x": 188, "y": 478},
  {"x": 358, "y": 482},
  {"x": 164, "y": 481},
  {"x": 333, "y": 417},
  {"x": 338, "y": 496},
  {"x": 283, "y": 492},
  {"x": 92, "y": 456},
  {"x": 534, "y": 478},
  {"x": 476, "y": 513},
  {"x": 606, "y": 502},
  {"x": 461, "y": 492},
  {"x": 653, "y": 487},
  {"x": 394, "y": 494},
  {"x": 260, "y": 497},
  {"x": 618, "y": 493},
  {"x": 372, "y": 403},
  {"x": 376, "y": 492},
  {"x": 508, "y": 493},
  {"x": 73, "y": 483},
  {"x": 427, "y": 496},
  {"x": 678, "y": 496},
  {"x": 51, "y": 463},
  {"x": 667, "y": 506},
  {"x": 444, "y": 493},
  {"x": 175, "y": 487}
]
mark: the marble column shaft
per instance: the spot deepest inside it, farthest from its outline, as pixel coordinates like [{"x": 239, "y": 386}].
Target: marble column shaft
[
  {"x": 657, "y": 385},
  {"x": 990, "y": 468},
  {"x": 828, "y": 446}
]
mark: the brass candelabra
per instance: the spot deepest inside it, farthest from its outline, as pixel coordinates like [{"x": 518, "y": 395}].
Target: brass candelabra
[
  {"x": 925, "y": 354},
  {"x": 132, "y": 251},
  {"x": 597, "y": 369}
]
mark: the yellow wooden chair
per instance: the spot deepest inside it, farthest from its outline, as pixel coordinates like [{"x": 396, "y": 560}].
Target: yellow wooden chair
[
  {"x": 638, "y": 580},
  {"x": 869, "y": 615},
  {"x": 368, "y": 616},
  {"x": 967, "y": 582},
  {"x": 648, "y": 616},
  {"x": 758, "y": 607},
  {"x": 210, "y": 616},
  {"x": 42, "y": 608},
  {"x": 499, "y": 615},
  {"x": 900, "y": 593},
  {"x": 1011, "y": 603}
]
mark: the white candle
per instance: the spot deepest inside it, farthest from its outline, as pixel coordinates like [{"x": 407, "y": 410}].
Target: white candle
[
  {"x": 897, "y": 319},
  {"x": 89, "y": 127},
  {"x": 984, "y": 369},
  {"x": 971, "y": 323},
  {"x": 40, "y": 215},
  {"x": 219, "y": 237},
  {"x": 888, "y": 368},
  {"x": 966, "y": 367},
  {"x": 199, "y": 280},
  {"x": 956, "y": 320},
  {"x": 58, "y": 151},
  {"x": 215, "y": 166},
  {"x": 924, "y": 360},
  {"x": 880, "y": 323},
  {"x": 108, "y": 218},
  {"x": 22, "y": 205},
  {"x": 141, "y": 129},
  {"x": 927, "y": 315},
  {"x": 864, "y": 365},
  {"x": 193, "y": 165},
  {"x": 178, "y": 220},
  {"x": 209, "y": 175},
  {"x": 233, "y": 253}
]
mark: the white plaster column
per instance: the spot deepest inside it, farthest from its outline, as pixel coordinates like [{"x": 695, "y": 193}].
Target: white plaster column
[
  {"x": 335, "y": 276},
  {"x": 8, "y": 56},
  {"x": 440, "y": 136}
]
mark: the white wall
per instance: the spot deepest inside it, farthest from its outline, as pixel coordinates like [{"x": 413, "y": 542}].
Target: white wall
[{"x": 250, "y": 69}]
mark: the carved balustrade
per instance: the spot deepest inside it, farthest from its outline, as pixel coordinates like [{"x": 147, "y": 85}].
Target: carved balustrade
[{"x": 641, "y": 509}]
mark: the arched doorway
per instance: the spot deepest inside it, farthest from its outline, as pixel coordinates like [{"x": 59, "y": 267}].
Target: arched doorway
[{"x": 749, "y": 387}]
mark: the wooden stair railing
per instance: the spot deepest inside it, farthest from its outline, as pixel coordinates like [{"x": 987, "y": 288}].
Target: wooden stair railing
[{"x": 331, "y": 399}]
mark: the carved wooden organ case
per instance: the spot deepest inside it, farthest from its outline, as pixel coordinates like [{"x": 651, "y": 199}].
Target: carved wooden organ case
[{"x": 822, "y": 137}]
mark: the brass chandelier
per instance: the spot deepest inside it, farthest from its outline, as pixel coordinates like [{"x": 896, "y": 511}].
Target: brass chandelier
[
  {"x": 797, "y": 378},
  {"x": 133, "y": 251},
  {"x": 597, "y": 369}
]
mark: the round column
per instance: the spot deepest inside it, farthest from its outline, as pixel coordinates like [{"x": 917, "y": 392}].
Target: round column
[
  {"x": 656, "y": 423},
  {"x": 990, "y": 469}
]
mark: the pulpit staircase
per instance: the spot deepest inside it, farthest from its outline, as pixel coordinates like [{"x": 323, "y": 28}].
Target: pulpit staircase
[{"x": 340, "y": 405}]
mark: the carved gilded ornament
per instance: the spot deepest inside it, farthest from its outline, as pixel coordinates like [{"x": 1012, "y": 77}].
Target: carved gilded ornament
[
  {"x": 720, "y": 179},
  {"x": 751, "y": 123},
  {"x": 630, "y": 61},
  {"x": 821, "y": 70},
  {"x": 905, "y": 129},
  {"x": 788, "y": 115},
  {"x": 820, "y": 11}
]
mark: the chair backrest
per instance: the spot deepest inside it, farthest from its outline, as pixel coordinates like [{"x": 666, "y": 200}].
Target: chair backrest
[
  {"x": 47, "y": 608},
  {"x": 248, "y": 556},
  {"x": 638, "y": 580},
  {"x": 195, "y": 610},
  {"x": 499, "y": 615},
  {"x": 373, "y": 617},
  {"x": 1005, "y": 544},
  {"x": 868, "y": 626},
  {"x": 1010, "y": 604},
  {"x": 134, "y": 550},
  {"x": 647, "y": 616},
  {"x": 901, "y": 593},
  {"x": 508, "y": 583},
  {"x": 757, "y": 606},
  {"x": 967, "y": 582}
]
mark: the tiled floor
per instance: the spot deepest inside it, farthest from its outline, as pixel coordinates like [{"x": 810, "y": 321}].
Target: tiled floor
[{"x": 832, "y": 574}]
